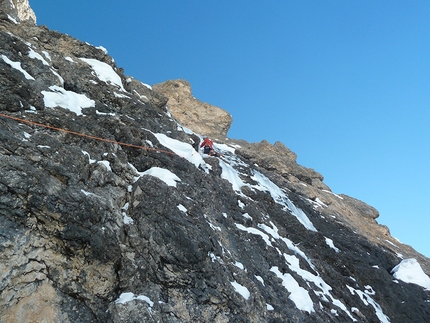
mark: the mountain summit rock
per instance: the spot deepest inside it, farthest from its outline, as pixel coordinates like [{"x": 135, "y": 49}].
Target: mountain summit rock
[
  {"x": 110, "y": 213},
  {"x": 202, "y": 118}
]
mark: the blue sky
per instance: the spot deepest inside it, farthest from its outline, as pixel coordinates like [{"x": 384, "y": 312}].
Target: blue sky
[{"x": 343, "y": 83}]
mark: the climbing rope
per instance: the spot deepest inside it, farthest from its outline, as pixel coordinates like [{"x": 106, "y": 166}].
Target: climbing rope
[{"x": 75, "y": 133}]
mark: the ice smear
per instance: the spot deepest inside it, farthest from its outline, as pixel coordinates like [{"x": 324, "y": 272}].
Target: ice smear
[
  {"x": 410, "y": 271},
  {"x": 265, "y": 184},
  {"x": 230, "y": 174},
  {"x": 182, "y": 149}
]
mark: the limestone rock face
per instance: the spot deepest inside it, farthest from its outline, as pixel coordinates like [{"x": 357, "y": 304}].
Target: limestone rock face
[
  {"x": 202, "y": 118},
  {"x": 109, "y": 214},
  {"x": 19, "y": 10}
]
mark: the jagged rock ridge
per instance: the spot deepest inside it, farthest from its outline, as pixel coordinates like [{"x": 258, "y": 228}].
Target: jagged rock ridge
[{"x": 94, "y": 231}]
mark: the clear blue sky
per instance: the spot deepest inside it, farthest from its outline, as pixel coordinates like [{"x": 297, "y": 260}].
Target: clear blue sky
[{"x": 345, "y": 84}]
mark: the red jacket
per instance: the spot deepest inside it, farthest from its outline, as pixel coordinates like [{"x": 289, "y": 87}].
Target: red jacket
[{"x": 207, "y": 142}]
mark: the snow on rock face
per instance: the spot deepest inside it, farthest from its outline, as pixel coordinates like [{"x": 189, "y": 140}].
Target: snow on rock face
[
  {"x": 104, "y": 72},
  {"x": 264, "y": 184},
  {"x": 164, "y": 174},
  {"x": 410, "y": 271},
  {"x": 298, "y": 294},
  {"x": 181, "y": 149},
  {"x": 69, "y": 100},
  {"x": 17, "y": 66}
]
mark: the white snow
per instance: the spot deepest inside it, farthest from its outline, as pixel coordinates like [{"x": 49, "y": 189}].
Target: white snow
[
  {"x": 17, "y": 66},
  {"x": 164, "y": 174},
  {"x": 128, "y": 297},
  {"x": 260, "y": 279},
  {"x": 239, "y": 265},
  {"x": 182, "y": 149},
  {"x": 46, "y": 55},
  {"x": 66, "y": 99},
  {"x": 242, "y": 290},
  {"x": 230, "y": 174},
  {"x": 11, "y": 18},
  {"x": 127, "y": 219},
  {"x": 247, "y": 216},
  {"x": 104, "y": 50},
  {"x": 147, "y": 85},
  {"x": 91, "y": 161},
  {"x": 106, "y": 164},
  {"x": 86, "y": 193},
  {"x": 366, "y": 299},
  {"x": 410, "y": 271},
  {"x": 104, "y": 72},
  {"x": 265, "y": 184},
  {"x": 224, "y": 147},
  {"x": 256, "y": 232},
  {"x": 182, "y": 208},
  {"x": 324, "y": 293},
  {"x": 269, "y": 307},
  {"x": 298, "y": 295},
  {"x": 33, "y": 55},
  {"x": 330, "y": 243}
]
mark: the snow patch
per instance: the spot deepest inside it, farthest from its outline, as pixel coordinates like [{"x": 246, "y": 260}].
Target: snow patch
[
  {"x": 410, "y": 271},
  {"x": 17, "y": 66},
  {"x": 182, "y": 149},
  {"x": 242, "y": 290},
  {"x": 265, "y": 184},
  {"x": 104, "y": 72},
  {"x": 164, "y": 174},
  {"x": 298, "y": 295},
  {"x": 330, "y": 243},
  {"x": 66, "y": 99},
  {"x": 128, "y": 297}
]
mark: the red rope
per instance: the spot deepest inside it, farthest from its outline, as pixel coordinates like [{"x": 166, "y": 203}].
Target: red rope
[{"x": 85, "y": 135}]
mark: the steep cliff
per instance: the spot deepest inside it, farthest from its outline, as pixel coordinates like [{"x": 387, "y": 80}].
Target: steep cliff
[{"x": 109, "y": 212}]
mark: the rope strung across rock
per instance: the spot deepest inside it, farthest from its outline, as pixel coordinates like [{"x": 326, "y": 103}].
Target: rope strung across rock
[{"x": 86, "y": 136}]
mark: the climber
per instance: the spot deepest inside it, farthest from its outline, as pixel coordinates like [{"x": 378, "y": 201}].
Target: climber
[{"x": 208, "y": 147}]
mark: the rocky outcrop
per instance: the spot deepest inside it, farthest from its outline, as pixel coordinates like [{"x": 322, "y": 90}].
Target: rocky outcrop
[
  {"x": 280, "y": 159},
  {"x": 194, "y": 114},
  {"x": 108, "y": 213},
  {"x": 18, "y": 10}
]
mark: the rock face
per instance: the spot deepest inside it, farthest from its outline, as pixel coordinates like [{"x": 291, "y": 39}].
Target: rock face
[
  {"x": 108, "y": 213},
  {"x": 198, "y": 116}
]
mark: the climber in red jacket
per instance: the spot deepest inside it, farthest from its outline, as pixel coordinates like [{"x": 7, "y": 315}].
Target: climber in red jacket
[{"x": 208, "y": 147}]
